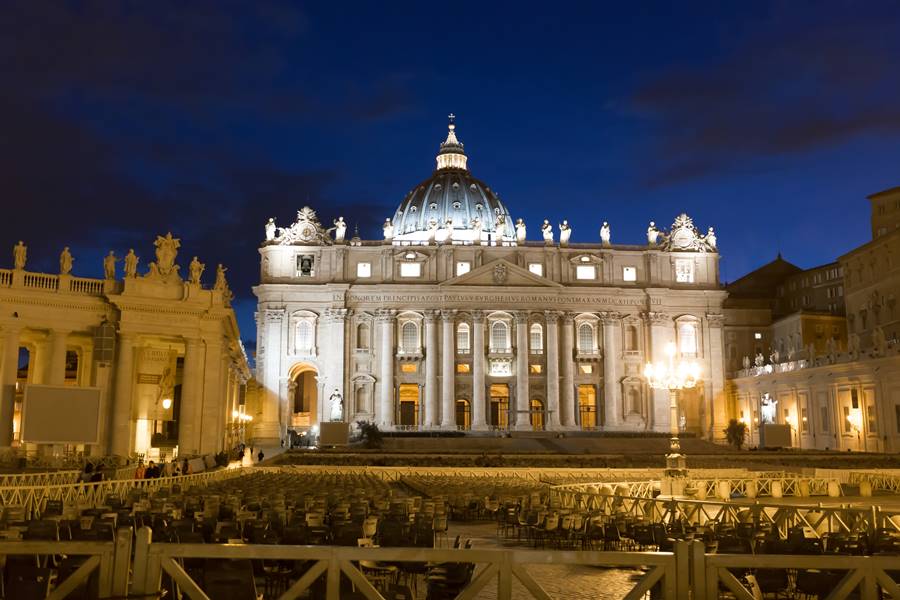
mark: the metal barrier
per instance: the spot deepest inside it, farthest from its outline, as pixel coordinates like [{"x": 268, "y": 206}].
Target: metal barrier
[{"x": 37, "y": 479}]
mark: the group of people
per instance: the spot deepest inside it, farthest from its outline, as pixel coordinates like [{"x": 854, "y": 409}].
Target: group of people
[
  {"x": 91, "y": 474},
  {"x": 169, "y": 469}
]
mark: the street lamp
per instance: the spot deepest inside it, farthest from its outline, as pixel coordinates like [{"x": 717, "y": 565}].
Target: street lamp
[{"x": 673, "y": 377}]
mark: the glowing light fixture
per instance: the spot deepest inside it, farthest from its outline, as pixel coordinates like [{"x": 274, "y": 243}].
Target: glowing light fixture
[{"x": 167, "y": 403}]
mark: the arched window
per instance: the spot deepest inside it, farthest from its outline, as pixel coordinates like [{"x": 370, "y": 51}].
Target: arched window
[
  {"x": 409, "y": 337},
  {"x": 631, "y": 338},
  {"x": 499, "y": 336},
  {"x": 462, "y": 338},
  {"x": 585, "y": 338},
  {"x": 687, "y": 337},
  {"x": 362, "y": 399},
  {"x": 304, "y": 344},
  {"x": 537, "y": 338},
  {"x": 362, "y": 336}
]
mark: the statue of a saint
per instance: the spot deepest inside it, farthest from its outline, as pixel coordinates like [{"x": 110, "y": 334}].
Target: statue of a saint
[
  {"x": 131, "y": 262},
  {"x": 388, "y": 230},
  {"x": 499, "y": 225},
  {"x": 760, "y": 360},
  {"x": 652, "y": 234},
  {"x": 337, "y": 405},
  {"x": 564, "y": 232},
  {"x": 831, "y": 349},
  {"x": 20, "y": 253},
  {"x": 270, "y": 230},
  {"x": 109, "y": 265},
  {"x": 811, "y": 354},
  {"x": 853, "y": 346},
  {"x": 791, "y": 350},
  {"x": 605, "y": 234},
  {"x": 879, "y": 342},
  {"x": 196, "y": 270},
  {"x": 547, "y": 230},
  {"x": 476, "y": 231},
  {"x": 775, "y": 357},
  {"x": 65, "y": 261},
  {"x": 746, "y": 362},
  {"x": 520, "y": 232},
  {"x": 710, "y": 238},
  {"x": 432, "y": 230},
  {"x": 340, "y": 230},
  {"x": 447, "y": 232},
  {"x": 220, "y": 284},
  {"x": 166, "y": 251}
]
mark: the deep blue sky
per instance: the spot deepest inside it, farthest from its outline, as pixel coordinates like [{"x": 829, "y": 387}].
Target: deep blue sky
[{"x": 119, "y": 120}]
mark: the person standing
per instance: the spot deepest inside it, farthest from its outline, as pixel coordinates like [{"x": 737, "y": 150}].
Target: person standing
[
  {"x": 140, "y": 471},
  {"x": 261, "y": 456}
]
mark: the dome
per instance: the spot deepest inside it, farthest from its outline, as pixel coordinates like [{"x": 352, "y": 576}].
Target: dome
[{"x": 452, "y": 202}]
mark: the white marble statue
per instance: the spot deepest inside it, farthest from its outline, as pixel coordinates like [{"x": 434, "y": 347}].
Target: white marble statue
[
  {"x": 476, "y": 231},
  {"x": 652, "y": 234},
  {"x": 879, "y": 342},
  {"x": 710, "y": 238},
  {"x": 746, "y": 362},
  {"x": 388, "y": 230},
  {"x": 853, "y": 346},
  {"x": 520, "y": 232},
  {"x": 760, "y": 360},
  {"x": 271, "y": 228},
  {"x": 20, "y": 253},
  {"x": 831, "y": 349},
  {"x": 605, "y": 234},
  {"x": 166, "y": 251},
  {"x": 131, "y": 262},
  {"x": 446, "y": 235},
  {"x": 775, "y": 357},
  {"x": 65, "y": 261},
  {"x": 564, "y": 232},
  {"x": 340, "y": 230},
  {"x": 547, "y": 230},
  {"x": 337, "y": 405},
  {"x": 432, "y": 230},
  {"x": 196, "y": 270},
  {"x": 220, "y": 284},
  {"x": 109, "y": 265}
]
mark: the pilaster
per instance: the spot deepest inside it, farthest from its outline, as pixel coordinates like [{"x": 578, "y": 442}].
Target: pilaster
[
  {"x": 567, "y": 396},
  {"x": 612, "y": 396},
  {"x": 479, "y": 409},
  {"x": 553, "y": 416},
  {"x": 523, "y": 397},
  {"x": 431, "y": 369},
  {"x": 8, "y": 373},
  {"x": 448, "y": 370}
]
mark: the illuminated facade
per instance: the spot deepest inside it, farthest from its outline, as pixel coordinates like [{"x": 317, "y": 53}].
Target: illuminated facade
[{"x": 455, "y": 320}]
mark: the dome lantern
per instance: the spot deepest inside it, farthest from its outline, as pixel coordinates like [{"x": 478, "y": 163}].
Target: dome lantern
[{"x": 451, "y": 155}]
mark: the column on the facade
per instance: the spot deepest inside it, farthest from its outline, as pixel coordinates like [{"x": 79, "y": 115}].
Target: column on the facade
[
  {"x": 661, "y": 334},
  {"x": 385, "y": 318},
  {"x": 191, "y": 398},
  {"x": 523, "y": 399},
  {"x": 478, "y": 405},
  {"x": 270, "y": 348},
  {"x": 333, "y": 355},
  {"x": 553, "y": 417},
  {"x": 9, "y": 369},
  {"x": 448, "y": 371},
  {"x": 717, "y": 407},
  {"x": 224, "y": 414},
  {"x": 85, "y": 364},
  {"x": 431, "y": 369},
  {"x": 567, "y": 395},
  {"x": 611, "y": 397},
  {"x": 56, "y": 366},
  {"x": 39, "y": 373},
  {"x": 121, "y": 417}
]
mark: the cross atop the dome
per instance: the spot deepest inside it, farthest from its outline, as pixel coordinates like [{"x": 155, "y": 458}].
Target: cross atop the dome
[{"x": 452, "y": 117}]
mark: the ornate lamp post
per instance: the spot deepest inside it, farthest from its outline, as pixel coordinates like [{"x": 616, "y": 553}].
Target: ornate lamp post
[{"x": 673, "y": 375}]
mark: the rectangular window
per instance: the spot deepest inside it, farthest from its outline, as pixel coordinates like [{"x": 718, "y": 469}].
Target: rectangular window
[
  {"x": 586, "y": 369},
  {"x": 629, "y": 273},
  {"x": 364, "y": 269},
  {"x": 462, "y": 368},
  {"x": 585, "y": 272},
  {"x": 537, "y": 369},
  {"x": 463, "y": 267},
  {"x": 684, "y": 270},
  {"x": 408, "y": 367},
  {"x": 757, "y": 336},
  {"x": 536, "y": 268},
  {"x": 408, "y": 269},
  {"x": 870, "y": 413}
]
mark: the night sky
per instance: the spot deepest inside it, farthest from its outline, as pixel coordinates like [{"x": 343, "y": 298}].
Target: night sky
[{"x": 120, "y": 120}]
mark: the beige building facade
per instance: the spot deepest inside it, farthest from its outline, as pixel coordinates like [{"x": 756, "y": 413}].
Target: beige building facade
[{"x": 163, "y": 350}]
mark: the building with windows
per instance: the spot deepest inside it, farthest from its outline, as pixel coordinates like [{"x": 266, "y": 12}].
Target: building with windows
[{"x": 456, "y": 320}]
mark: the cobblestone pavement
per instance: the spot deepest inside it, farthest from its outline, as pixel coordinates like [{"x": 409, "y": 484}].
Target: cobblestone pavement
[{"x": 562, "y": 582}]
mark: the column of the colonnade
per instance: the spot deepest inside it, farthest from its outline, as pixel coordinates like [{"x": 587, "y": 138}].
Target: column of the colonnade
[
  {"x": 191, "y": 398},
  {"x": 611, "y": 396},
  {"x": 478, "y": 404},
  {"x": 448, "y": 371},
  {"x": 431, "y": 369},
  {"x": 213, "y": 399},
  {"x": 553, "y": 416},
  {"x": 385, "y": 318},
  {"x": 8, "y": 373},
  {"x": 121, "y": 416},
  {"x": 523, "y": 397},
  {"x": 56, "y": 366}
]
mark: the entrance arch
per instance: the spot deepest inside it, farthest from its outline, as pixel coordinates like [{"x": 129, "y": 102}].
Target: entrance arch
[
  {"x": 463, "y": 415},
  {"x": 409, "y": 406},
  {"x": 304, "y": 400}
]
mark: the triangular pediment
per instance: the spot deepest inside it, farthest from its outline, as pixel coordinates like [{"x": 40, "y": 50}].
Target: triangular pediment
[{"x": 503, "y": 274}]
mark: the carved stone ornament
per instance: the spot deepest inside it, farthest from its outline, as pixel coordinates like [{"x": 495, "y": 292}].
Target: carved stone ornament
[
  {"x": 658, "y": 318},
  {"x": 685, "y": 237},
  {"x": 306, "y": 230},
  {"x": 501, "y": 272}
]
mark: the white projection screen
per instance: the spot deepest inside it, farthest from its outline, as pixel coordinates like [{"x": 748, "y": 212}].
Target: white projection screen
[{"x": 55, "y": 414}]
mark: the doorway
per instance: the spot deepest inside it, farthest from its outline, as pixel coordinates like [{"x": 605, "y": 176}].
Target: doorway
[
  {"x": 587, "y": 407},
  {"x": 409, "y": 405},
  {"x": 463, "y": 414},
  {"x": 500, "y": 405},
  {"x": 305, "y": 401},
  {"x": 537, "y": 415}
]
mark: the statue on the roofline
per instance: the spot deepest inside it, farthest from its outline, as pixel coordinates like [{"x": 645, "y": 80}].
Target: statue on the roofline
[
  {"x": 166, "y": 251},
  {"x": 520, "y": 231},
  {"x": 220, "y": 284},
  {"x": 652, "y": 234},
  {"x": 20, "y": 253},
  {"x": 547, "y": 231},
  {"x": 65, "y": 261},
  {"x": 388, "y": 230},
  {"x": 109, "y": 265},
  {"x": 271, "y": 228},
  {"x": 196, "y": 270},
  {"x": 564, "y": 232},
  {"x": 605, "y": 234},
  {"x": 131, "y": 262}
]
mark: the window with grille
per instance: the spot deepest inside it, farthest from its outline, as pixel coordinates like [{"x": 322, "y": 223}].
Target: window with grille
[
  {"x": 536, "y": 339},
  {"x": 462, "y": 338},
  {"x": 409, "y": 337},
  {"x": 585, "y": 338},
  {"x": 499, "y": 336},
  {"x": 304, "y": 343}
]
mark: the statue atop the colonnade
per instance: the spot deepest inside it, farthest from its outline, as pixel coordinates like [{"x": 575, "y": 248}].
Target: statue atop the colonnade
[
  {"x": 388, "y": 230},
  {"x": 65, "y": 261},
  {"x": 564, "y": 233},
  {"x": 20, "y": 252},
  {"x": 547, "y": 230},
  {"x": 166, "y": 251},
  {"x": 337, "y": 405},
  {"x": 109, "y": 265},
  {"x": 196, "y": 270},
  {"x": 520, "y": 231},
  {"x": 220, "y": 284},
  {"x": 131, "y": 261},
  {"x": 652, "y": 234},
  {"x": 879, "y": 342},
  {"x": 270, "y": 229},
  {"x": 340, "y": 230},
  {"x": 605, "y": 234}
]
